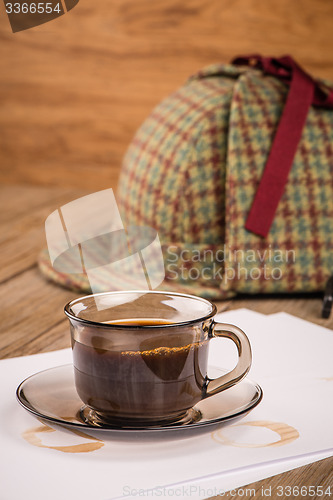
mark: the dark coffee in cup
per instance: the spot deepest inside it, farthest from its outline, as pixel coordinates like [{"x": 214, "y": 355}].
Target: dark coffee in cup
[
  {"x": 164, "y": 376},
  {"x": 140, "y": 357}
]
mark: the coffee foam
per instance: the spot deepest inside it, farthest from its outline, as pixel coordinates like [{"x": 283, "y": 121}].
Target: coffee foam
[{"x": 163, "y": 351}]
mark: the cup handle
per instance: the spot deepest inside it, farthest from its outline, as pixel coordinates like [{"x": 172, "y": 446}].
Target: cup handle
[{"x": 235, "y": 334}]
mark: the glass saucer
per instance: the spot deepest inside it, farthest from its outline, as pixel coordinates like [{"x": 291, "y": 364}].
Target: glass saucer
[{"x": 50, "y": 395}]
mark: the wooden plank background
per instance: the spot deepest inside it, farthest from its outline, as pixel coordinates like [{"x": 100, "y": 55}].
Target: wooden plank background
[{"x": 73, "y": 91}]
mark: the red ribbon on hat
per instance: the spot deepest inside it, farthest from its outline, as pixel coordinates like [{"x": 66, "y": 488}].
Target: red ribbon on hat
[{"x": 303, "y": 92}]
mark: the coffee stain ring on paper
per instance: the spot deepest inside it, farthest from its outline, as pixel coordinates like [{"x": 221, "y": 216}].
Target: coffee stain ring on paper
[
  {"x": 287, "y": 434},
  {"x": 30, "y": 435}
]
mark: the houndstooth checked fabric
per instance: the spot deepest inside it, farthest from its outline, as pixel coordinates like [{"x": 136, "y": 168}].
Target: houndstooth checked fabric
[{"x": 191, "y": 173}]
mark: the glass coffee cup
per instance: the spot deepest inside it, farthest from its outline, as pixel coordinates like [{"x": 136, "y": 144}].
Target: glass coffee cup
[{"x": 141, "y": 357}]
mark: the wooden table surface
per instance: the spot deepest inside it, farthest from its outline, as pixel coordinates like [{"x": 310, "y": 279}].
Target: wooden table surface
[{"x": 32, "y": 319}]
